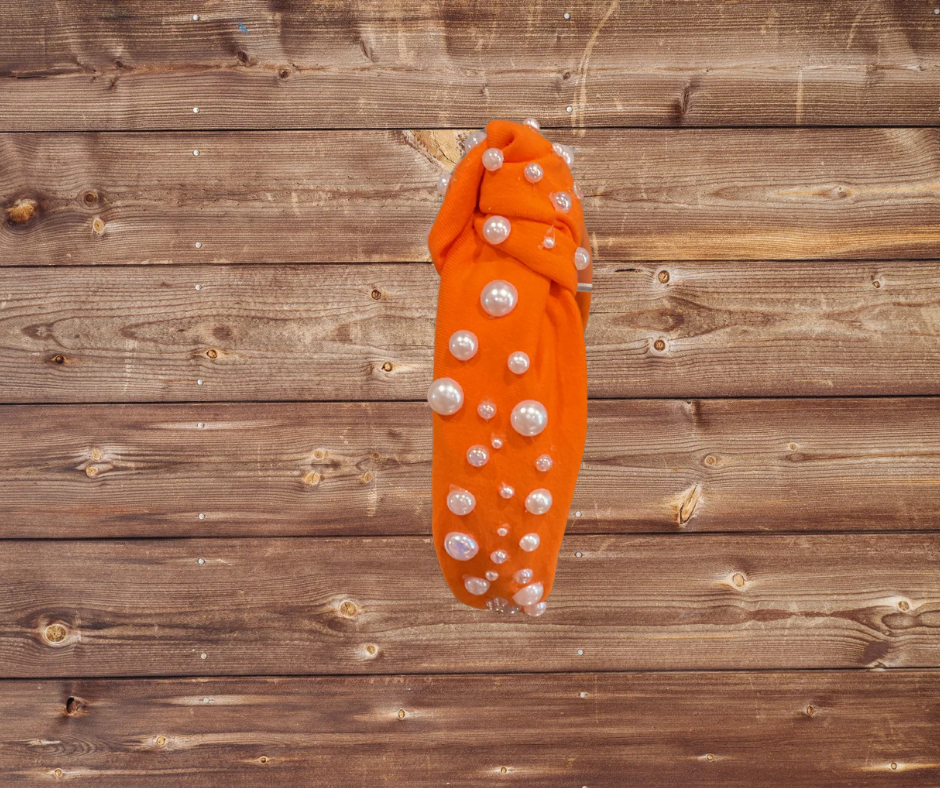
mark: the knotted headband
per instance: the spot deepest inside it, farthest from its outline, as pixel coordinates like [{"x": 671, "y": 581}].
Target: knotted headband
[{"x": 509, "y": 389}]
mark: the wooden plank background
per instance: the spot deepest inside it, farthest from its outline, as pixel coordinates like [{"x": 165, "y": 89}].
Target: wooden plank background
[{"x": 216, "y": 333}]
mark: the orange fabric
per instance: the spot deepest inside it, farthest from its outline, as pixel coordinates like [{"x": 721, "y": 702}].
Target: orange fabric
[{"x": 547, "y": 323}]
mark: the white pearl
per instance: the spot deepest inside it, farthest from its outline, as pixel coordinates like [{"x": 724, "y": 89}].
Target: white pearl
[
  {"x": 562, "y": 201},
  {"x": 538, "y": 501},
  {"x": 523, "y": 576},
  {"x": 582, "y": 258},
  {"x": 549, "y": 240},
  {"x": 496, "y": 442},
  {"x": 528, "y": 595},
  {"x": 529, "y": 417},
  {"x": 473, "y": 140},
  {"x": 442, "y": 183},
  {"x": 492, "y": 159},
  {"x": 460, "y": 546},
  {"x": 537, "y": 609},
  {"x": 499, "y": 297},
  {"x": 514, "y": 609},
  {"x": 496, "y": 229},
  {"x": 491, "y": 576},
  {"x": 565, "y": 151},
  {"x": 506, "y": 491},
  {"x": 518, "y": 362},
  {"x": 499, "y": 556},
  {"x": 529, "y": 542},
  {"x": 577, "y": 191},
  {"x": 463, "y": 345},
  {"x": 476, "y": 585},
  {"x": 498, "y": 604},
  {"x": 461, "y": 501},
  {"x": 487, "y": 409},
  {"x": 478, "y": 455},
  {"x": 544, "y": 462},
  {"x": 533, "y": 172},
  {"x": 445, "y": 396},
  {"x": 532, "y": 123},
  {"x": 502, "y": 531}
]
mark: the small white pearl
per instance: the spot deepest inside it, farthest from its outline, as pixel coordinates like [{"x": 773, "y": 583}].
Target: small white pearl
[
  {"x": 487, "y": 409},
  {"x": 549, "y": 240},
  {"x": 577, "y": 192},
  {"x": 529, "y": 542},
  {"x": 473, "y": 140},
  {"x": 491, "y": 575},
  {"x": 499, "y": 556},
  {"x": 533, "y": 172},
  {"x": 506, "y": 491},
  {"x": 460, "y": 546},
  {"x": 532, "y": 123},
  {"x": 496, "y": 229},
  {"x": 445, "y": 396},
  {"x": 538, "y": 501},
  {"x": 461, "y": 501},
  {"x": 518, "y": 362},
  {"x": 463, "y": 345},
  {"x": 496, "y": 442},
  {"x": 478, "y": 455},
  {"x": 565, "y": 151},
  {"x": 544, "y": 462},
  {"x": 502, "y": 531},
  {"x": 499, "y": 298},
  {"x": 492, "y": 159},
  {"x": 528, "y": 595},
  {"x": 582, "y": 258},
  {"x": 562, "y": 201},
  {"x": 529, "y": 417},
  {"x": 536, "y": 610},
  {"x": 523, "y": 576},
  {"x": 442, "y": 184},
  {"x": 476, "y": 585}
]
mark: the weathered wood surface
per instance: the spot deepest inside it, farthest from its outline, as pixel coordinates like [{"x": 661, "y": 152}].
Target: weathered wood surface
[
  {"x": 146, "y": 333},
  {"x": 346, "y": 469},
  {"x": 369, "y": 196},
  {"x": 86, "y": 65},
  {"x": 282, "y": 606},
  {"x": 816, "y": 728}
]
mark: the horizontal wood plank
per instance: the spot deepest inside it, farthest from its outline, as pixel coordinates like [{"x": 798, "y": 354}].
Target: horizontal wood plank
[
  {"x": 380, "y": 605},
  {"x": 351, "y": 332},
  {"x": 344, "y": 469},
  {"x": 817, "y": 728},
  {"x": 369, "y": 196},
  {"x": 249, "y": 64}
]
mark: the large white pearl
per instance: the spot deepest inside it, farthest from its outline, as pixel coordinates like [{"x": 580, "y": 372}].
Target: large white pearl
[
  {"x": 442, "y": 183},
  {"x": 445, "y": 396},
  {"x": 461, "y": 501},
  {"x": 518, "y": 362},
  {"x": 460, "y": 546},
  {"x": 533, "y": 172},
  {"x": 499, "y": 297},
  {"x": 491, "y": 575},
  {"x": 565, "y": 151},
  {"x": 528, "y": 595},
  {"x": 496, "y": 229},
  {"x": 537, "y": 609},
  {"x": 544, "y": 462},
  {"x": 476, "y": 585},
  {"x": 529, "y": 417},
  {"x": 487, "y": 409},
  {"x": 463, "y": 345},
  {"x": 473, "y": 140},
  {"x": 562, "y": 201},
  {"x": 506, "y": 491},
  {"x": 478, "y": 455},
  {"x": 523, "y": 576},
  {"x": 492, "y": 159},
  {"x": 538, "y": 501},
  {"x": 499, "y": 556},
  {"x": 532, "y": 123},
  {"x": 529, "y": 542},
  {"x": 582, "y": 258}
]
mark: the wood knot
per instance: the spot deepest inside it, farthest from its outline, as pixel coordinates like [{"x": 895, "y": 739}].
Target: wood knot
[
  {"x": 58, "y": 358},
  {"x": 98, "y": 225},
  {"x": 904, "y": 605},
  {"x": 74, "y": 706},
  {"x": 894, "y": 766},
  {"x": 90, "y": 198},
  {"x": 349, "y": 608},
  {"x": 660, "y": 345},
  {"x": 376, "y": 294},
  {"x": 371, "y": 649},
  {"x": 738, "y": 580},
  {"x": 284, "y": 73},
  {"x": 263, "y": 759},
  {"x": 810, "y": 711},
  {"x": 711, "y": 459},
  {"x": 312, "y": 479},
  {"x": 55, "y": 634},
  {"x": 367, "y": 477},
  {"x": 318, "y": 454},
  {"x": 161, "y": 740},
  {"x": 663, "y": 277},
  {"x": 503, "y": 770},
  {"x": 709, "y": 757},
  {"x": 91, "y": 471},
  {"x": 875, "y": 283},
  {"x": 401, "y": 714},
  {"x": 22, "y": 210},
  {"x": 212, "y": 353},
  {"x": 388, "y": 366},
  {"x": 58, "y": 772}
]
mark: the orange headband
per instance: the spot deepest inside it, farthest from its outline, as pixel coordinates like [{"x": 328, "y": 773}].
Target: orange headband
[{"x": 509, "y": 394}]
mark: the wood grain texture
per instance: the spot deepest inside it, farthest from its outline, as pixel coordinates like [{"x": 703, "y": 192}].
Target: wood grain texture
[
  {"x": 369, "y": 196},
  {"x": 250, "y": 64},
  {"x": 282, "y": 606},
  {"x": 357, "y": 469},
  {"x": 770, "y": 729},
  {"x": 338, "y": 332}
]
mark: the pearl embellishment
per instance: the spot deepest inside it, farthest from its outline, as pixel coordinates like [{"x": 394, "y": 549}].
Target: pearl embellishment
[
  {"x": 518, "y": 362},
  {"x": 528, "y": 595},
  {"x": 499, "y": 298},
  {"x": 476, "y": 585},
  {"x": 460, "y": 546},
  {"x": 478, "y": 455},
  {"x": 492, "y": 159},
  {"x": 496, "y": 442},
  {"x": 577, "y": 191},
  {"x": 565, "y": 151},
  {"x": 473, "y": 140},
  {"x": 562, "y": 201},
  {"x": 538, "y": 501},
  {"x": 582, "y": 258},
  {"x": 523, "y": 576},
  {"x": 532, "y": 123},
  {"x": 492, "y": 576},
  {"x": 529, "y": 542},
  {"x": 460, "y": 501},
  {"x": 544, "y": 463},
  {"x": 529, "y": 417},
  {"x": 487, "y": 409},
  {"x": 502, "y": 531},
  {"x": 499, "y": 556},
  {"x": 445, "y": 396},
  {"x": 463, "y": 345},
  {"x": 496, "y": 229},
  {"x": 442, "y": 184},
  {"x": 537, "y": 609},
  {"x": 533, "y": 172},
  {"x": 506, "y": 491}
]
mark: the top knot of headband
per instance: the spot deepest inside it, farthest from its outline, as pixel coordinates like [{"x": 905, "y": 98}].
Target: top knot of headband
[{"x": 509, "y": 389}]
